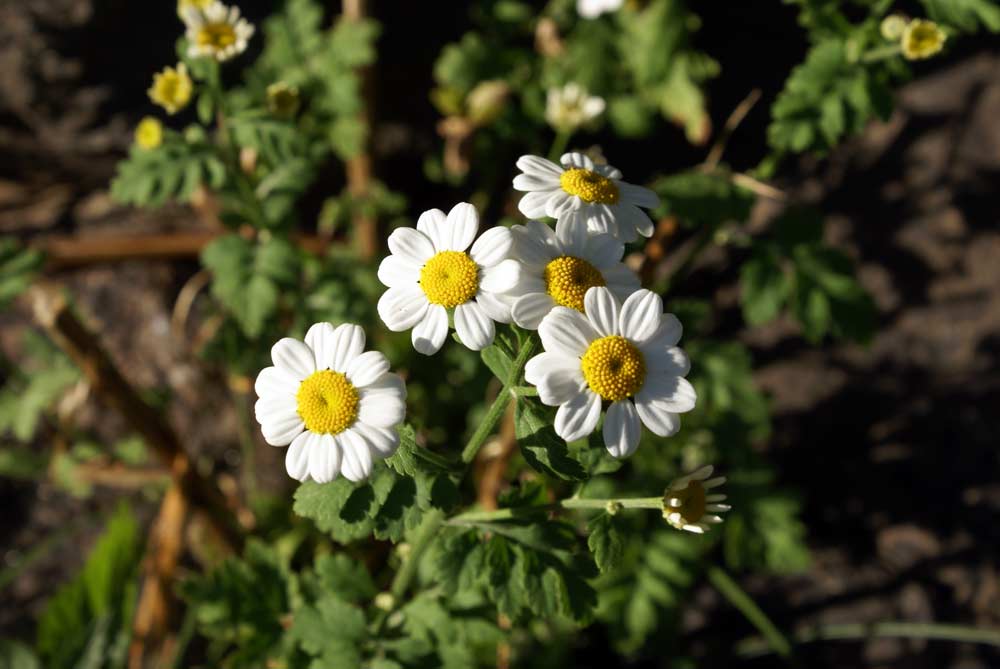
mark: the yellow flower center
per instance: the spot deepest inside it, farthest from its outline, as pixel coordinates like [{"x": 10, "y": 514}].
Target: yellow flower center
[
  {"x": 589, "y": 186},
  {"x": 692, "y": 507},
  {"x": 450, "y": 278},
  {"x": 216, "y": 36},
  {"x": 613, "y": 368},
  {"x": 327, "y": 402},
  {"x": 567, "y": 280}
]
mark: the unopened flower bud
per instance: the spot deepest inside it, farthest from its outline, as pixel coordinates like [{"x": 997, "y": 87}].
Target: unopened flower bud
[
  {"x": 892, "y": 27},
  {"x": 613, "y": 507},
  {"x": 385, "y": 601},
  {"x": 283, "y": 100}
]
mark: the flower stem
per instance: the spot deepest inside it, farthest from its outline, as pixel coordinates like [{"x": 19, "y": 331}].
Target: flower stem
[
  {"x": 738, "y": 597},
  {"x": 472, "y": 517},
  {"x": 559, "y": 144},
  {"x": 495, "y": 412},
  {"x": 881, "y": 53}
]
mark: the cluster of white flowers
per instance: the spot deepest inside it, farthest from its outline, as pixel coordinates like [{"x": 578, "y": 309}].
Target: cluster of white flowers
[{"x": 608, "y": 345}]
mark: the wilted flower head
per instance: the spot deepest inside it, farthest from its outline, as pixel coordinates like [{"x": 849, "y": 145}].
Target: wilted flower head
[
  {"x": 172, "y": 88},
  {"x": 486, "y": 101},
  {"x": 216, "y": 31},
  {"x": 591, "y": 9},
  {"x": 687, "y": 504},
  {"x": 149, "y": 133},
  {"x": 570, "y": 107},
  {"x": 283, "y": 100},
  {"x": 922, "y": 39},
  {"x": 892, "y": 27}
]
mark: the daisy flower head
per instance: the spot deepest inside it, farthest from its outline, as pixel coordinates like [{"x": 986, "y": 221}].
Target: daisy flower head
[
  {"x": 620, "y": 355},
  {"x": 333, "y": 403},
  {"x": 586, "y": 194},
  {"x": 571, "y": 107},
  {"x": 922, "y": 39},
  {"x": 172, "y": 88},
  {"x": 430, "y": 271},
  {"x": 558, "y": 268},
  {"x": 591, "y": 9},
  {"x": 689, "y": 504},
  {"x": 216, "y": 31},
  {"x": 149, "y": 133}
]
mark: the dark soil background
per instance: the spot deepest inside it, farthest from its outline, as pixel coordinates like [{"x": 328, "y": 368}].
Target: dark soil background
[{"x": 893, "y": 446}]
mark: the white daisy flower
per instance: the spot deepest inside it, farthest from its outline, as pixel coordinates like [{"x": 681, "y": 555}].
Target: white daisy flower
[
  {"x": 623, "y": 354},
  {"x": 570, "y": 107},
  {"x": 430, "y": 272},
  {"x": 216, "y": 31},
  {"x": 586, "y": 194},
  {"x": 687, "y": 504},
  {"x": 559, "y": 267},
  {"x": 591, "y": 9},
  {"x": 337, "y": 405}
]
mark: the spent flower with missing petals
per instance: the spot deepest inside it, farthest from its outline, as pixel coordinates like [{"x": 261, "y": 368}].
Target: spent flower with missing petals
[
  {"x": 558, "y": 268},
  {"x": 172, "y": 88},
  {"x": 624, "y": 356},
  {"x": 579, "y": 192},
  {"x": 216, "y": 31},
  {"x": 571, "y": 107},
  {"x": 149, "y": 133},
  {"x": 689, "y": 505},
  {"x": 335, "y": 405},
  {"x": 430, "y": 272},
  {"x": 921, "y": 39}
]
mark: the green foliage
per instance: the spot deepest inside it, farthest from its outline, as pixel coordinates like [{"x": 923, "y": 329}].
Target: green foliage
[
  {"x": 248, "y": 277},
  {"x": 763, "y": 530},
  {"x": 332, "y": 631},
  {"x": 816, "y": 282},
  {"x": 966, "y": 15},
  {"x": 438, "y": 636},
  {"x": 90, "y": 615},
  {"x": 18, "y": 267},
  {"x": 605, "y": 541},
  {"x": 698, "y": 198},
  {"x": 15, "y": 655},
  {"x": 42, "y": 377},
  {"x": 173, "y": 171},
  {"x": 543, "y": 449}
]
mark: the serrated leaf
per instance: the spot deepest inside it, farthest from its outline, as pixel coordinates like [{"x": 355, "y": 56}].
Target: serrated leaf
[
  {"x": 605, "y": 542},
  {"x": 764, "y": 288},
  {"x": 18, "y": 267},
  {"x": 703, "y": 199},
  {"x": 966, "y": 15},
  {"x": 543, "y": 449}
]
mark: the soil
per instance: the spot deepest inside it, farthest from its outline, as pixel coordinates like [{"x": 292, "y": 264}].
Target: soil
[{"x": 893, "y": 444}]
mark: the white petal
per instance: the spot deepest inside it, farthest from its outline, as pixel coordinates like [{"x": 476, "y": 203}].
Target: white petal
[
  {"x": 538, "y": 165},
  {"x": 622, "y": 429},
  {"x": 320, "y": 339},
  {"x": 297, "y": 456},
  {"x": 382, "y": 410},
  {"x": 494, "y": 307},
  {"x": 535, "y": 182},
  {"x": 608, "y": 171},
  {"x": 357, "y": 464},
  {"x": 670, "y": 362},
  {"x": 325, "y": 458},
  {"x": 500, "y": 278},
  {"x": 402, "y": 308},
  {"x": 429, "y": 334},
  {"x": 276, "y": 409},
  {"x": 602, "y": 218},
  {"x": 602, "y": 310},
  {"x": 667, "y": 334},
  {"x": 366, "y": 368},
  {"x": 396, "y": 271},
  {"x": 534, "y": 244},
  {"x": 578, "y": 160},
  {"x": 492, "y": 246},
  {"x": 578, "y": 417},
  {"x": 281, "y": 433},
  {"x": 348, "y": 342},
  {"x": 566, "y": 331},
  {"x": 413, "y": 245},
  {"x": 545, "y": 363},
  {"x": 561, "y": 381},
  {"x": 474, "y": 327},
  {"x": 656, "y": 417},
  {"x": 294, "y": 357},
  {"x": 533, "y": 205},
  {"x": 463, "y": 224},
  {"x": 572, "y": 236},
  {"x": 382, "y": 441},
  {"x": 641, "y": 315},
  {"x": 638, "y": 196},
  {"x": 433, "y": 223},
  {"x": 273, "y": 381},
  {"x": 621, "y": 280},
  {"x": 632, "y": 222},
  {"x": 530, "y": 309},
  {"x": 671, "y": 393},
  {"x": 562, "y": 204}
]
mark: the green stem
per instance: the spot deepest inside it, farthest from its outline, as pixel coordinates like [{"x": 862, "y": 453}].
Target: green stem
[
  {"x": 525, "y": 391},
  {"x": 473, "y": 517},
  {"x": 495, "y": 412},
  {"x": 738, "y": 597},
  {"x": 881, "y": 53},
  {"x": 756, "y": 647},
  {"x": 559, "y": 144}
]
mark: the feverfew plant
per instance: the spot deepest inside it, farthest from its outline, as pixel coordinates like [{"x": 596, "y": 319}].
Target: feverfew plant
[{"x": 501, "y": 419}]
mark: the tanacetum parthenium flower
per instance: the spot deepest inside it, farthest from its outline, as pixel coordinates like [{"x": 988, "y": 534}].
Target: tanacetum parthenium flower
[
  {"x": 623, "y": 356},
  {"x": 558, "y": 268},
  {"x": 921, "y": 39},
  {"x": 430, "y": 272},
  {"x": 216, "y": 31},
  {"x": 335, "y": 404},
  {"x": 571, "y": 107},
  {"x": 586, "y": 194},
  {"x": 172, "y": 88},
  {"x": 149, "y": 133},
  {"x": 689, "y": 505}
]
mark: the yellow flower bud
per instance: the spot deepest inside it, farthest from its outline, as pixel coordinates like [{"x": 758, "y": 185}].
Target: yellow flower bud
[
  {"x": 283, "y": 100},
  {"x": 892, "y": 27},
  {"x": 172, "y": 88},
  {"x": 922, "y": 39},
  {"x": 149, "y": 133}
]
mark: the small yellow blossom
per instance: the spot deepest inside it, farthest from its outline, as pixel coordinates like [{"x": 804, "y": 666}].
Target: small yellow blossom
[
  {"x": 922, "y": 39},
  {"x": 283, "y": 99},
  {"x": 892, "y": 27},
  {"x": 172, "y": 88},
  {"x": 149, "y": 133}
]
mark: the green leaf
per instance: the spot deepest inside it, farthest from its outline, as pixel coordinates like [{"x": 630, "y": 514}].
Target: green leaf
[
  {"x": 966, "y": 15},
  {"x": 169, "y": 172},
  {"x": 543, "y": 449},
  {"x": 18, "y": 267},
  {"x": 345, "y": 577},
  {"x": 703, "y": 199},
  {"x": 331, "y": 629},
  {"x": 605, "y": 541},
  {"x": 764, "y": 287},
  {"x": 15, "y": 655},
  {"x": 764, "y": 530}
]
